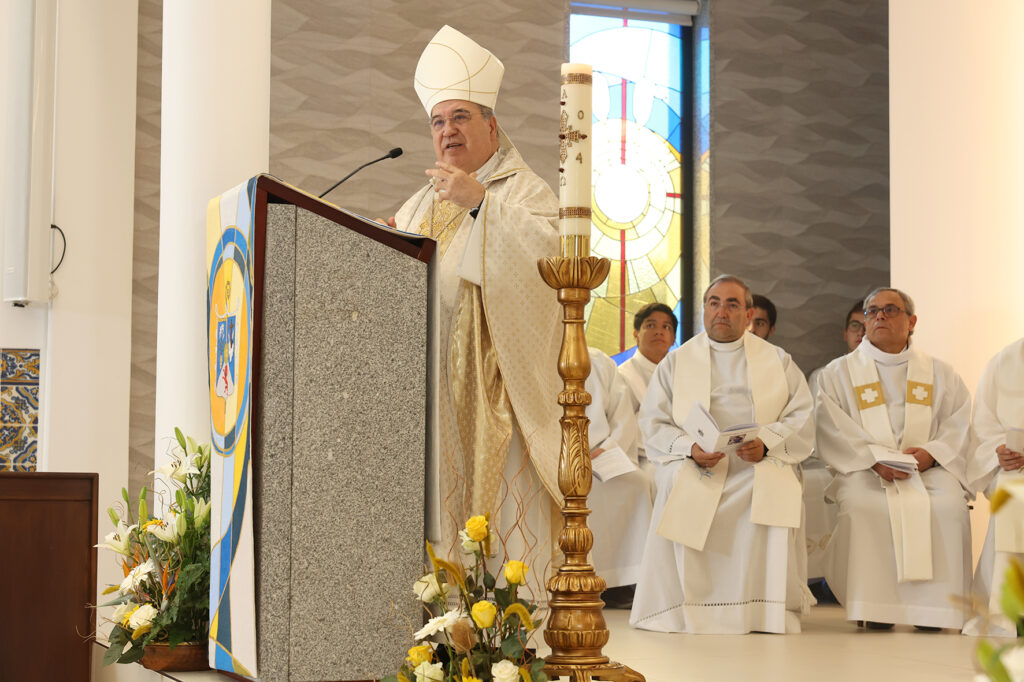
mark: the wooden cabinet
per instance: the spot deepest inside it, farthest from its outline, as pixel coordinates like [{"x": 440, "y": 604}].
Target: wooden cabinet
[{"x": 47, "y": 575}]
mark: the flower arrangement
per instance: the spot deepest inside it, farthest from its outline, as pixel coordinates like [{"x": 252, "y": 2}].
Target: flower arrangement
[
  {"x": 486, "y": 636},
  {"x": 164, "y": 596}
]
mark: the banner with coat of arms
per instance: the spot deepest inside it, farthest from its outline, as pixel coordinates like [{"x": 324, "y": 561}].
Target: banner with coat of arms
[{"x": 229, "y": 311}]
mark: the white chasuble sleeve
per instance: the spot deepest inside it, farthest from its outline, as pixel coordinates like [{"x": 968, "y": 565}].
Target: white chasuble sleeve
[
  {"x": 612, "y": 420},
  {"x": 950, "y": 435},
  {"x": 790, "y": 438},
  {"x": 664, "y": 441}
]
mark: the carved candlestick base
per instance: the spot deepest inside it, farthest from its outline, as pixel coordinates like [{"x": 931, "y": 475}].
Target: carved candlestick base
[{"x": 576, "y": 629}]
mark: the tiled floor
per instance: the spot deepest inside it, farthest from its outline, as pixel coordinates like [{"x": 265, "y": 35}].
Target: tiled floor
[{"x": 830, "y": 649}]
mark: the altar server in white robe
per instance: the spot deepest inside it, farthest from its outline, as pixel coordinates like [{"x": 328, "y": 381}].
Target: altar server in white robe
[
  {"x": 621, "y": 504},
  {"x": 902, "y": 546},
  {"x": 724, "y": 553},
  {"x": 996, "y": 460},
  {"x": 654, "y": 328},
  {"x": 821, "y": 514},
  {"x": 499, "y": 326}
]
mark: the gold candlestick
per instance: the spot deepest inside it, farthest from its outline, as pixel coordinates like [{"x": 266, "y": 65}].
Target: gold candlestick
[{"x": 576, "y": 629}]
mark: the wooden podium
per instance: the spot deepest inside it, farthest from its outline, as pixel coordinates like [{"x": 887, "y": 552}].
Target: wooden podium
[{"x": 341, "y": 349}]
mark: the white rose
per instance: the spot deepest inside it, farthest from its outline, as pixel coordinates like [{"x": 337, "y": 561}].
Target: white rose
[
  {"x": 505, "y": 671},
  {"x": 144, "y": 615},
  {"x": 1013, "y": 661},
  {"x": 427, "y": 588},
  {"x": 470, "y": 546},
  {"x": 429, "y": 672},
  {"x": 438, "y": 624}
]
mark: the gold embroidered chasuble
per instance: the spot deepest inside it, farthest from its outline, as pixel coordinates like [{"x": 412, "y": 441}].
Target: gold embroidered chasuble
[{"x": 498, "y": 340}]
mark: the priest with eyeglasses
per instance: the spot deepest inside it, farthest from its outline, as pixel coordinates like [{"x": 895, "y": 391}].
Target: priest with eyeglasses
[{"x": 895, "y": 423}]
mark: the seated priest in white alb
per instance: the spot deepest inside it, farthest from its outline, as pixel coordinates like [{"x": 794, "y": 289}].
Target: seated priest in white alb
[
  {"x": 621, "y": 496},
  {"x": 821, "y": 515},
  {"x": 654, "y": 328},
  {"x": 498, "y": 330},
  {"x": 996, "y": 460},
  {"x": 725, "y": 550},
  {"x": 894, "y": 424}
]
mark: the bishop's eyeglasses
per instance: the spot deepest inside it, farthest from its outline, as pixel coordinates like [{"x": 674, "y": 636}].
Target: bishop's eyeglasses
[{"x": 458, "y": 119}]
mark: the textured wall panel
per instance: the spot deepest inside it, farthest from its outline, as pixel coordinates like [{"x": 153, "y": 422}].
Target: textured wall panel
[
  {"x": 341, "y": 89},
  {"x": 145, "y": 248},
  {"x": 800, "y": 158}
]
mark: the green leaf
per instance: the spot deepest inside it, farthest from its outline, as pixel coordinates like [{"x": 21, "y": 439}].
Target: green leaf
[
  {"x": 124, "y": 598},
  {"x": 988, "y": 656},
  {"x": 179, "y": 497},
  {"x": 512, "y": 647},
  {"x": 488, "y": 580},
  {"x": 389, "y": 678},
  {"x": 180, "y": 437},
  {"x": 133, "y": 654},
  {"x": 113, "y": 653}
]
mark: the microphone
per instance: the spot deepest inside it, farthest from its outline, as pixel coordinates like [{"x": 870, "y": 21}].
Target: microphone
[{"x": 393, "y": 154}]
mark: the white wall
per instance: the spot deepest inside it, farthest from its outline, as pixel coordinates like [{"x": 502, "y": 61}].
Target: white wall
[
  {"x": 88, "y": 349},
  {"x": 956, "y": 102}
]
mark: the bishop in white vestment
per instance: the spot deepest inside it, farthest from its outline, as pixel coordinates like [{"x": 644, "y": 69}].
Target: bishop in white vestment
[
  {"x": 499, "y": 326},
  {"x": 902, "y": 546},
  {"x": 621, "y": 504},
  {"x": 724, "y": 553},
  {"x": 996, "y": 460}
]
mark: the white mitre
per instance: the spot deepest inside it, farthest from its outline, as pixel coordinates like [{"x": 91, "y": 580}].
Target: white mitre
[{"x": 454, "y": 67}]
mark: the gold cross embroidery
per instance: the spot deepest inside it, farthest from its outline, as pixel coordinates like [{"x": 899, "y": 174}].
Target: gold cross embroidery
[
  {"x": 869, "y": 395},
  {"x": 918, "y": 393},
  {"x": 567, "y": 136}
]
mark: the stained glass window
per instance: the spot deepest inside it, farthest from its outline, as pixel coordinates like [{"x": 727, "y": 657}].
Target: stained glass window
[{"x": 638, "y": 189}]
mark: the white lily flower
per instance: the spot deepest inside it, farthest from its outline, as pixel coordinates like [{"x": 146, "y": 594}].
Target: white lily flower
[
  {"x": 438, "y": 624},
  {"x": 179, "y": 468},
  {"x": 118, "y": 540},
  {"x": 166, "y": 529},
  {"x": 142, "y": 616},
  {"x": 137, "y": 575}
]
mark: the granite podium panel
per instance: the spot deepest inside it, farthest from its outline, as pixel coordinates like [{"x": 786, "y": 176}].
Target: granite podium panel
[{"x": 339, "y": 439}]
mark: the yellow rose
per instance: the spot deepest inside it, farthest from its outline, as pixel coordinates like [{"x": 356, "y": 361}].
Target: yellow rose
[
  {"x": 420, "y": 654},
  {"x": 476, "y": 528},
  {"x": 483, "y": 614},
  {"x": 515, "y": 572}
]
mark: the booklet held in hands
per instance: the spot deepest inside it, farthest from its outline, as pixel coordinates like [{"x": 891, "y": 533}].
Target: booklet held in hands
[{"x": 703, "y": 428}]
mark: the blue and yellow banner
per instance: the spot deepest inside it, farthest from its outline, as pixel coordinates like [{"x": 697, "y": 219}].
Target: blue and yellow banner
[{"x": 229, "y": 314}]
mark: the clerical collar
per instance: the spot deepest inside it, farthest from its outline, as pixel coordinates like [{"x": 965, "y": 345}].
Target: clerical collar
[
  {"x": 881, "y": 356},
  {"x": 642, "y": 360},
  {"x": 726, "y": 346},
  {"x": 485, "y": 171}
]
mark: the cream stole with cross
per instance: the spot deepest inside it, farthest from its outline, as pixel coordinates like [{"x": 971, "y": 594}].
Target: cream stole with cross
[
  {"x": 696, "y": 492},
  {"x": 909, "y": 504},
  {"x": 1009, "y": 378}
]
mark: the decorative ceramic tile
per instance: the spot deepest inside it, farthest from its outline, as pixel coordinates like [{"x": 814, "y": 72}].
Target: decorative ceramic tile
[
  {"x": 19, "y": 404},
  {"x": 23, "y": 455},
  {"x": 19, "y": 366}
]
